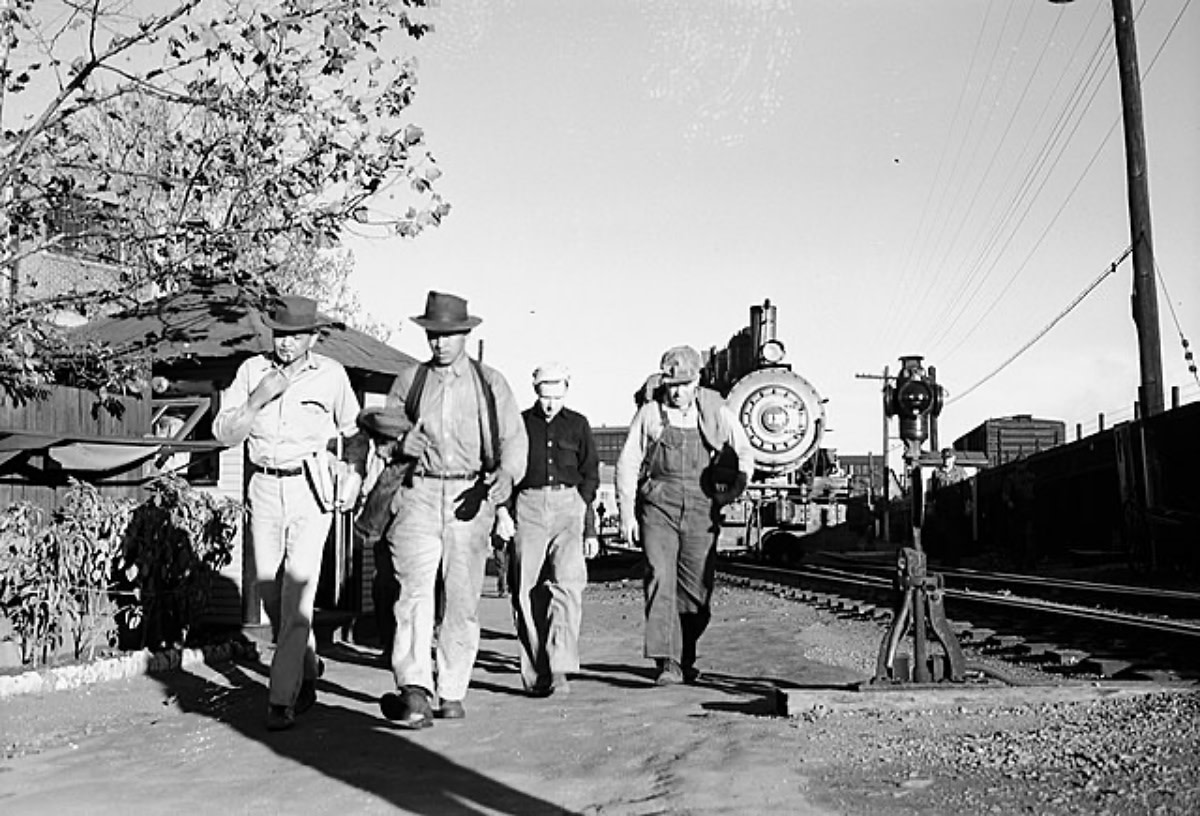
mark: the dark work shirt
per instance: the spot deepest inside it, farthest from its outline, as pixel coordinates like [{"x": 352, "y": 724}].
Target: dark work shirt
[{"x": 561, "y": 451}]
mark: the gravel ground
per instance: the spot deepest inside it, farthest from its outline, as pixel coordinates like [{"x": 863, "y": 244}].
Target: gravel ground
[
  {"x": 1120, "y": 749},
  {"x": 1067, "y": 747}
]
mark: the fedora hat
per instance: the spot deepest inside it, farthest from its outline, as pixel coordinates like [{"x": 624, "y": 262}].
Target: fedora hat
[
  {"x": 446, "y": 313},
  {"x": 295, "y": 313},
  {"x": 389, "y": 423}
]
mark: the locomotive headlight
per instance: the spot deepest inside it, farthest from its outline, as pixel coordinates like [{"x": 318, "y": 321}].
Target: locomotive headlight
[{"x": 772, "y": 352}]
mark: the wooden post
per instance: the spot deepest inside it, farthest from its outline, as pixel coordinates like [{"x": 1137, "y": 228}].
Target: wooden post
[
  {"x": 1145, "y": 296},
  {"x": 886, "y": 494}
]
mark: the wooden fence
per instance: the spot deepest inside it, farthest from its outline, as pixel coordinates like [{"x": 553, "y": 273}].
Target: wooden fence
[{"x": 28, "y": 473}]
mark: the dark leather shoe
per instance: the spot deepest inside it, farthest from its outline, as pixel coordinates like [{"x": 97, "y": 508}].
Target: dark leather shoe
[
  {"x": 669, "y": 673},
  {"x": 280, "y": 717},
  {"x": 408, "y": 708},
  {"x": 307, "y": 697},
  {"x": 452, "y": 710},
  {"x": 691, "y": 675}
]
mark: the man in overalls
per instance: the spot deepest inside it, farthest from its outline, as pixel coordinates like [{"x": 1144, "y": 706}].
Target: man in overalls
[{"x": 685, "y": 458}]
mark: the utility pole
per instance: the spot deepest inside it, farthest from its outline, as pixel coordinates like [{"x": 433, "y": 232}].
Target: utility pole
[
  {"x": 1145, "y": 295},
  {"x": 885, "y": 493}
]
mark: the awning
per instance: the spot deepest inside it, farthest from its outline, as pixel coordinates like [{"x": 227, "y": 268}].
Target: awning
[{"x": 90, "y": 456}]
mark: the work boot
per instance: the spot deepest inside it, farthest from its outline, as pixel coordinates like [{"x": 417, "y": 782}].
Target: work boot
[
  {"x": 307, "y": 697},
  {"x": 408, "y": 708},
  {"x": 669, "y": 673},
  {"x": 451, "y": 710},
  {"x": 280, "y": 717}
]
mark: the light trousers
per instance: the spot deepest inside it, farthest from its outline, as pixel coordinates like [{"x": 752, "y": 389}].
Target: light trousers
[
  {"x": 440, "y": 524},
  {"x": 287, "y": 535},
  {"x": 551, "y": 574}
]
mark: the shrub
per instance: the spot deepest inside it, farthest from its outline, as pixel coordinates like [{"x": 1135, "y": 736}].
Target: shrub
[
  {"x": 176, "y": 542},
  {"x": 55, "y": 578},
  {"x": 100, "y": 565}
]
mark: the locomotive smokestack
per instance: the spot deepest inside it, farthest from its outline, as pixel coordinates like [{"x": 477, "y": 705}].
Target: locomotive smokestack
[
  {"x": 762, "y": 328},
  {"x": 768, "y": 323}
]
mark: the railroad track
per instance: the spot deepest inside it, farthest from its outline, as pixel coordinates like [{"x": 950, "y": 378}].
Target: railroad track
[
  {"x": 1059, "y": 637},
  {"x": 1174, "y": 604}
]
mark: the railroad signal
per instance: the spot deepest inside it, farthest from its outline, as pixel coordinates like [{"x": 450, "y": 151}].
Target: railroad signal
[{"x": 914, "y": 399}]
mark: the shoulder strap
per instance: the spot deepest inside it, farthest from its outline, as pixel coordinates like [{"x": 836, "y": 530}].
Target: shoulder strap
[
  {"x": 412, "y": 402},
  {"x": 489, "y": 432}
]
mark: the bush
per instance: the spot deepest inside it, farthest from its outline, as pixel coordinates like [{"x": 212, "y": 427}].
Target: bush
[
  {"x": 176, "y": 542},
  {"x": 55, "y": 579},
  {"x": 106, "y": 571}
]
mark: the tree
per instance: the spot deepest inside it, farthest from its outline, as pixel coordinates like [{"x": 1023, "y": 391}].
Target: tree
[
  {"x": 324, "y": 276},
  {"x": 216, "y": 138}
]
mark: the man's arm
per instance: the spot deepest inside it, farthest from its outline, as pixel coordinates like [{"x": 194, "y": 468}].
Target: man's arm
[
  {"x": 241, "y": 405},
  {"x": 412, "y": 442},
  {"x": 514, "y": 441},
  {"x": 589, "y": 463},
  {"x": 739, "y": 442},
  {"x": 629, "y": 464},
  {"x": 355, "y": 446}
]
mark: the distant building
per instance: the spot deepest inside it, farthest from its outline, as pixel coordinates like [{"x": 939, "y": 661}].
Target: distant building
[
  {"x": 609, "y": 441},
  {"x": 1010, "y": 438},
  {"x": 866, "y": 472}
]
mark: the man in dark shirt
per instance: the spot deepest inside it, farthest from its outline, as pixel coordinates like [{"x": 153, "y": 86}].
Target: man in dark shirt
[{"x": 551, "y": 502}]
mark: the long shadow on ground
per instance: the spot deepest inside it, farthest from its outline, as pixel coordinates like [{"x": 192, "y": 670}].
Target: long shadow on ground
[{"x": 353, "y": 748}]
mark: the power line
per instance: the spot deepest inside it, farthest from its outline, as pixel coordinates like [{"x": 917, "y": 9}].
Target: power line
[
  {"x": 1078, "y": 299},
  {"x": 1187, "y": 351}
]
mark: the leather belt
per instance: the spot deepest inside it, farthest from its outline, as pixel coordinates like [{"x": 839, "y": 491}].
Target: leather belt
[
  {"x": 425, "y": 474},
  {"x": 277, "y": 472},
  {"x": 559, "y": 486}
]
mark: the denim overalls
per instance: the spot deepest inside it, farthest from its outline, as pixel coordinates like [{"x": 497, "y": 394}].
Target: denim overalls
[{"x": 677, "y": 524}]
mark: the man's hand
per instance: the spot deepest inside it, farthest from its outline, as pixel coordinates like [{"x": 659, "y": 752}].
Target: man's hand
[
  {"x": 591, "y": 547},
  {"x": 500, "y": 485},
  {"x": 506, "y": 528},
  {"x": 269, "y": 387},
  {"x": 733, "y": 492},
  {"x": 416, "y": 440},
  {"x": 630, "y": 531},
  {"x": 349, "y": 486}
]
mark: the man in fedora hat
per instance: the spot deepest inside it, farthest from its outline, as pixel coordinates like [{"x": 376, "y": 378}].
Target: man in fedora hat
[
  {"x": 468, "y": 448},
  {"x": 551, "y": 507},
  {"x": 686, "y": 457},
  {"x": 289, "y": 405}
]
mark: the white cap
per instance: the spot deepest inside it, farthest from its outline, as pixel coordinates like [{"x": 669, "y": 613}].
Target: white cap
[{"x": 551, "y": 372}]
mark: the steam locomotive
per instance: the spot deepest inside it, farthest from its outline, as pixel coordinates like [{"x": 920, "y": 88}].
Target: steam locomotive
[{"x": 798, "y": 486}]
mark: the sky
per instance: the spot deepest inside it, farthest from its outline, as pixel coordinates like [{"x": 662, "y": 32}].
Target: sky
[{"x": 941, "y": 178}]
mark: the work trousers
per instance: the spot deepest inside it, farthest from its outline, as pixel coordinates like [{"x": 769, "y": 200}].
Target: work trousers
[
  {"x": 287, "y": 535},
  {"x": 440, "y": 524},
  {"x": 550, "y": 574},
  {"x": 679, "y": 535}
]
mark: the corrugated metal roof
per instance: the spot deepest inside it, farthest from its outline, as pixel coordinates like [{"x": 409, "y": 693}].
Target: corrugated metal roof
[{"x": 223, "y": 321}]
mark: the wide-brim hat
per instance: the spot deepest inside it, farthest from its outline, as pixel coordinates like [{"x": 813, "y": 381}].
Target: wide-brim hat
[
  {"x": 295, "y": 313},
  {"x": 389, "y": 423},
  {"x": 446, "y": 313}
]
